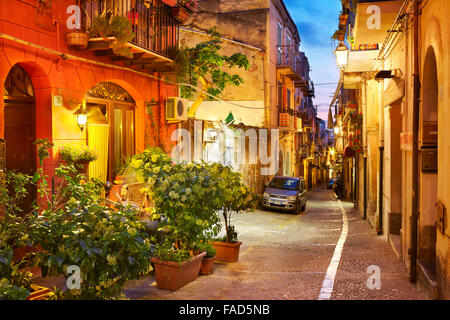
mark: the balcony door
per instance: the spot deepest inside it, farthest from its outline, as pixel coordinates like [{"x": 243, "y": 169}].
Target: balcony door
[{"x": 118, "y": 110}]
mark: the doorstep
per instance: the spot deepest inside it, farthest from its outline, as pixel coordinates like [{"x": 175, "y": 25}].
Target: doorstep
[{"x": 426, "y": 283}]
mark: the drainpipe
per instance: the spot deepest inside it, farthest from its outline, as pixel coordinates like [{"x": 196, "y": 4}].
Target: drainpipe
[
  {"x": 381, "y": 153},
  {"x": 415, "y": 148}
]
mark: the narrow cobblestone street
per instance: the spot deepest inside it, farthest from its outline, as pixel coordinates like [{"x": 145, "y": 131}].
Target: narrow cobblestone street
[{"x": 286, "y": 257}]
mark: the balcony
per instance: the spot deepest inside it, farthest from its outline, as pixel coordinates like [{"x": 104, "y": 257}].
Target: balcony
[
  {"x": 155, "y": 30},
  {"x": 289, "y": 63},
  {"x": 285, "y": 121}
]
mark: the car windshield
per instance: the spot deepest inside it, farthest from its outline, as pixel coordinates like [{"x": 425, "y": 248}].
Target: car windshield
[{"x": 284, "y": 183}]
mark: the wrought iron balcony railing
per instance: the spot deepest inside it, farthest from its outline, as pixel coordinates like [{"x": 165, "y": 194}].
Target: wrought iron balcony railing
[{"x": 153, "y": 25}]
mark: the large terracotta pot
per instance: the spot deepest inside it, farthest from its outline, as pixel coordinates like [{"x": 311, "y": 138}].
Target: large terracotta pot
[
  {"x": 227, "y": 252},
  {"x": 172, "y": 276},
  {"x": 207, "y": 266}
]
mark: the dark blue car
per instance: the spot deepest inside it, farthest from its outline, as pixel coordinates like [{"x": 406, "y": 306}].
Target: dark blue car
[{"x": 286, "y": 194}]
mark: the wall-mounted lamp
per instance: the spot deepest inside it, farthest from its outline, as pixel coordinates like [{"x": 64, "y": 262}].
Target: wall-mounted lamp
[
  {"x": 341, "y": 55},
  {"x": 81, "y": 115},
  {"x": 336, "y": 130}
]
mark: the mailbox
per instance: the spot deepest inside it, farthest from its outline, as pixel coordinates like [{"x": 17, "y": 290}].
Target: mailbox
[
  {"x": 430, "y": 133},
  {"x": 429, "y": 159}
]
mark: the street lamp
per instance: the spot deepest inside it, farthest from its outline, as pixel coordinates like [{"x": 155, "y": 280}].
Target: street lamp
[{"x": 341, "y": 55}]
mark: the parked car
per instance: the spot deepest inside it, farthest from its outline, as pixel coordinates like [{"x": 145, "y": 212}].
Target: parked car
[{"x": 285, "y": 194}]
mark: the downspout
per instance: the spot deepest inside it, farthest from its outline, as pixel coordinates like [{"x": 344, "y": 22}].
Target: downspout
[
  {"x": 381, "y": 153},
  {"x": 364, "y": 105},
  {"x": 415, "y": 148}
]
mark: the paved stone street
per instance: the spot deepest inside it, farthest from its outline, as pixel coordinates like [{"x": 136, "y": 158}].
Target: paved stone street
[{"x": 286, "y": 257}]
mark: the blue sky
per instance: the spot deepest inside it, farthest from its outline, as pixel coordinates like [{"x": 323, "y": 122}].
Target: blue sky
[{"x": 316, "y": 22}]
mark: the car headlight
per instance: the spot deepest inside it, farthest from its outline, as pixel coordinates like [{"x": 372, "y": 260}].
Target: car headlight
[
  {"x": 292, "y": 198},
  {"x": 266, "y": 195}
]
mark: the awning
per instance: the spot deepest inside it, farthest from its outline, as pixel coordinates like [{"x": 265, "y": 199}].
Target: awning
[
  {"x": 361, "y": 61},
  {"x": 394, "y": 91}
]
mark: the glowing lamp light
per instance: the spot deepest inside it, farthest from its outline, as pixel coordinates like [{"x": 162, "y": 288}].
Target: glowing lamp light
[
  {"x": 341, "y": 55},
  {"x": 81, "y": 117},
  {"x": 332, "y": 152},
  {"x": 336, "y": 130}
]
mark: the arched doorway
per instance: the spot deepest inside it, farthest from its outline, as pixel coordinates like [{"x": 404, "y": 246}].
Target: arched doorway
[
  {"x": 20, "y": 127},
  {"x": 111, "y": 127},
  {"x": 429, "y": 164}
]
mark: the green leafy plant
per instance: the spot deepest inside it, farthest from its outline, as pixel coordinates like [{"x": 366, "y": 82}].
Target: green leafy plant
[
  {"x": 209, "y": 249},
  {"x": 115, "y": 26},
  {"x": 339, "y": 34},
  {"x": 205, "y": 64},
  {"x": 167, "y": 252},
  {"x": 76, "y": 155},
  {"x": 185, "y": 194},
  {"x": 235, "y": 196}
]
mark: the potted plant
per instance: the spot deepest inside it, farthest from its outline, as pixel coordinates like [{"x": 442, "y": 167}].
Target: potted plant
[
  {"x": 339, "y": 35},
  {"x": 207, "y": 266},
  {"x": 175, "y": 268},
  {"x": 187, "y": 197},
  {"x": 235, "y": 197},
  {"x": 78, "y": 156},
  {"x": 110, "y": 246},
  {"x": 184, "y": 9},
  {"x": 119, "y": 27}
]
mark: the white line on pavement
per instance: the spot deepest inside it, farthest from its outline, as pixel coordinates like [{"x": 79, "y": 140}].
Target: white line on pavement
[{"x": 328, "y": 282}]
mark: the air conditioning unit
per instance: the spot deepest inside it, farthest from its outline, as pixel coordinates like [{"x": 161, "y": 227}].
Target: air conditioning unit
[{"x": 176, "y": 109}]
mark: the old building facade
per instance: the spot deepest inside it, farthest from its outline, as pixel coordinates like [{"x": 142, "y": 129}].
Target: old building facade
[
  {"x": 47, "y": 80},
  {"x": 397, "y": 75},
  {"x": 278, "y": 92}
]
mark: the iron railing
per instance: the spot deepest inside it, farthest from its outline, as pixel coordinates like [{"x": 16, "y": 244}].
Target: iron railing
[
  {"x": 288, "y": 56},
  {"x": 154, "y": 27}
]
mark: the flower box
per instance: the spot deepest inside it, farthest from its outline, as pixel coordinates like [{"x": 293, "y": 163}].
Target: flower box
[
  {"x": 284, "y": 120},
  {"x": 180, "y": 14},
  {"x": 227, "y": 252},
  {"x": 172, "y": 276}
]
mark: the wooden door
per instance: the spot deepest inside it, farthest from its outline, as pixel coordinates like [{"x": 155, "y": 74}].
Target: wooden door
[{"x": 19, "y": 137}]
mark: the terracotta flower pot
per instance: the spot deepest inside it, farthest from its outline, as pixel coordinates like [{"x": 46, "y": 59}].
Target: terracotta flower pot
[
  {"x": 227, "y": 252},
  {"x": 172, "y": 276},
  {"x": 207, "y": 266}
]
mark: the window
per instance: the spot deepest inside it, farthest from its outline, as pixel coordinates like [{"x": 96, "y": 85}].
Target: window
[
  {"x": 280, "y": 43},
  {"x": 288, "y": 48}
]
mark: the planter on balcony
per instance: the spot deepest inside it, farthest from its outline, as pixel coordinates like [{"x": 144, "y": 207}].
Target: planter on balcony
[
  {"x": 77, "y": 39},
  {"x": 180, "y": 14},
  {"x": 283, "y": 120},
  {"x": 343, "y": 19}
]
